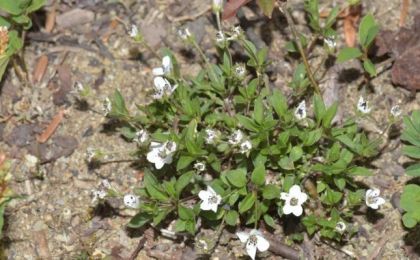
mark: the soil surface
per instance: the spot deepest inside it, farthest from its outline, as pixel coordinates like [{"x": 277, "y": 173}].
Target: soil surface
[{"x": 55, "y": 218}]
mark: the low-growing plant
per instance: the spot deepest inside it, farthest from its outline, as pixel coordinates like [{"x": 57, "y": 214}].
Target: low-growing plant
[
  {"x": 6, "y": 194},
  {"x": 228, "y": 149},
  {"x": 410, "y": 201},
  {"x": 14, "y": 20}
]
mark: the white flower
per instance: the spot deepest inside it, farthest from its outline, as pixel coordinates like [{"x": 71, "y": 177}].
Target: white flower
[
  {"x": 106, "y": 184},
  {"x": 300, "y": 112},
  {"x": 240, "y": 70},
  {"x": 211, "y": 136},
  {"x": 363, "y": 106},
  {"x": 245, "y": 146},
  {"x": 131, "y": 201},
  {"x": 161, "y": 153},
  {"x": 106, "y": 106},
  {"x": 293, "y": 201},
  {"x": 91, "y": 154},
  {"x": 184, "y": 34},
  {"x": 210, "y": 199},
  {"x": 98, "y": 195},
  {"x": 217, "y": 5},
  {"x": 236, "y": 137},
  {"x": 141, "y": 137},
  {"x": 220, "y": 37},
  {"x": 253, "y": 241},
  {"x": 330, "y": 42},
  {"x": 396, "y": 111},
  {"x": 200, "y": 166},
  {"x": 162, "y": 88},
  {"x": 372, "y": 198},
  {"x": 236, "y": 33},
  {"x": 340, "y": 227},
  {"x": 165, "y": 69},
  {"x": 134, "y": 31}
]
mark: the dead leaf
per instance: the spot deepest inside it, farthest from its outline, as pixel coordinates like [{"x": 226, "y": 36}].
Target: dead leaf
[
  {"x": 232, "y": 7},
  {"x": 404, "y": 11},
  {"x": 40, "y": 68},
  {"x": 50, "y": 20},
  {"x": 350, "y": 25},
  {"x": 51, "y": 127},
  {"x": 110, "y": 29}
]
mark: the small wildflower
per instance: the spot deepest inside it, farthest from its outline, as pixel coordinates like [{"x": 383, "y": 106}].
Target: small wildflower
[
  {"x": 106, "y": 106},
  {"x": 245, "y": 146},
  {"x": 161, "y": 153},
  {"x": 253, "y": 241},
  {"x": 141, "y": 137},
  {"x": 78, "y": 87},
  {"x": 396, "y": 111},
  {"x": 166, "y": 67},
  {"x": 240, "y": 70},
  {"x": 300, "y": 112},
  {"x": 372, "y": 198},
  {"x": 98, "y": 195},
  {"x": 217, "y": 5},
  {"x": 210, "y": 199},
  {"x": 184, "y": 34},
  {"x": 236, "y": 137},
  {"x": 211, "y": 136},
  {"x": 91, "y": 154},
  {"x": 134, "y": 31},
  {"x": 200, "y": 166},
  {"x": 362, "y": 106},
  {"x": 131, "y": 201},
  {"x": 4, "y": 39},
  {"x": 162, "y": 88},
  {"x": 220, "y": 37},
  {"x": 330, "y": 42},
  {"x": 340, "y": 227},
  {"x": 293, "y": 201},
  {"x": 236, "y": 33},
  {"x": 106, "y": 184}
]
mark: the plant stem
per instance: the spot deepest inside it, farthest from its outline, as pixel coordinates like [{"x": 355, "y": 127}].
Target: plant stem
[{"x": 291, "y": 23}]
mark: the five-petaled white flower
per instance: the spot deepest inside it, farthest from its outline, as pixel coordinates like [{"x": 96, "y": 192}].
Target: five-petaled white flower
[
  {"x": 106, "y": 106},
  {"x": 340, "y": 227},
  {"x": 211, "y": 136},
  {"x": 330, "y": 42},
  {"x": 300, "y": 112},
  {"x": 98, "y": 195},
  {"x": 363, "y": 106},
  {"x": 200, "y": 166},
  {"x": 240, "y": 70},
  {"x": 236, "y": 137},
  {"x": 141, "y": 137},
  {"x": 134, "y": 31},
  {"x": 161, "y": 153},
  {"x": 245, "y": 146},
  {"x": 253, "y": 241},
  {"x": 162, "y": 88},
  {"x": 220, "y": 37},
  {"x": 131, "y": 201},
  {"x": 210, "y": 199},
  {"x": 293, "y": 201},
  {"x": 372, "y": 198},
  {"x": 184, "y": 34},
  {"x": 396, "y": 111},
  {"x": 166, "y": 67}
]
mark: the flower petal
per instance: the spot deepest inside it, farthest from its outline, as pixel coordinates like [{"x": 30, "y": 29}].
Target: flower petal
[
  {"x": 297, "y": 210},
  {"x": 159, "y": 164},
  {"x": 204, "y": 194},
  {"x": 287, "y": 209},
  {"x": 166, "y": 61},
  {"x": 251, "y": 249},
  {"x": 160, "y": 82},
  {"x": 243, "y": 236},
  {"x": 213, "y": 207},
  {"x": 284, "y": 196},
  {"x": 158, "y": 71},
  {"x": 205, "y": 205},
  {"x": 210, "y": 189},
  {"x": 262, "y": 244},
  {"x": 302, "y": 198},
  {"x": 380, "y": 201},
  {"x": 295, "y": 191}
]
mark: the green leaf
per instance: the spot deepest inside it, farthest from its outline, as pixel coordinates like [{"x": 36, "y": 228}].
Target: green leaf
[
  {"x": 119, "y": 110},
  {"x": 248, "y": 123},
  {"x": 319, "y": 107},
  {"x": 332, "y": 17},
  {"x": 279, "y": 103},
  {"x": 348, "y": 53},
  {"x": 184, "y": 161},
  {"x": 183, "y": 181},
  {"x": 186, "y": 213},
  {"x": 237, "y": 177},
  {"x": 359, "y": 171},
  {"x": 35, "y": 5},
  {"x": 258, "y": 110},
  {"x": 247, "y": 202},
  {"x": 369, "y": 67},
  {"x": 258, "y": 175},
  {"x": 4, "y": 61},
  {"x": 411, "y": 151},
  {"x": 266, "y": 6},
  {"x": 271, "y": 191},
  {"x": 331, "y": 197},
  {"x": 296, "y": 153},
  {"x": 14, "y": 7},
  {"x": 269, "y": 220},
  {"x": 232, "y": 218},
  {"x": 368, "y": 29},
  {"x": 329, "y": 115},
  {"x": 312, "y": 137},
  {"x": 410, "y": 202},
  {"x": 139, "y": 220},
  {"x": 413, "y": 170},
  {"x": 409, "y": 221}
]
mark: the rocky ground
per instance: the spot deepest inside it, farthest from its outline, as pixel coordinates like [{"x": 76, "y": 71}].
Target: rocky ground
[{"x": 55, "y": 218}]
